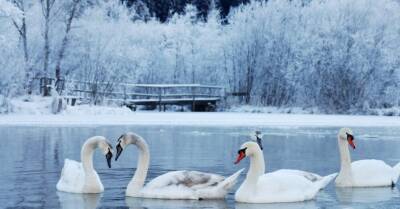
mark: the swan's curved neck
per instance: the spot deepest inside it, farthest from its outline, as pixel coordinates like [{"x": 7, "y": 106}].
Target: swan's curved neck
[
  {"x": 345, "y": 159},
  {"x": 139, "y": 177},
  {"x": 87, "y": 153},
  {"x": 257, "y": 167}
]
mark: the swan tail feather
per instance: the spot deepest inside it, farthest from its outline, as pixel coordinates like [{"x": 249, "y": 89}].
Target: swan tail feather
[
  {"x": 396, "y": 173},
  {"x": 325, "y": 180},
  {"x": 230, "y": 181}
]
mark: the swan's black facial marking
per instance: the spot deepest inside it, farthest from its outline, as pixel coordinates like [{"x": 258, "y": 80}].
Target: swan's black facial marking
[
  {"x": 241, "y": 155},
  {"x": 242, "y": 151},
  {"x": 350, "y": 137},
  {"x": 119, "y": 147},
  {"x": 119, "y": 150},
  {"x": 350, "y": 140},
  {"x": 108, "y": 157},
  {"x": 259, "y": 142}
]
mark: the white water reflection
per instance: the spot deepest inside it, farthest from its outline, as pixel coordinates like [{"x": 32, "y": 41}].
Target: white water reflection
[
  {"x": 295, "y": 205},
  {"x": 366, "y": 195},
  {"x": 78, "y": 201},
  {"x": 143, "y": 203}
]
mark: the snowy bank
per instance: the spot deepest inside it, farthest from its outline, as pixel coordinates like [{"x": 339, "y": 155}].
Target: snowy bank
[
  {"x": 35, "y": 111},
  {"x": 272, "y": 109},
  {"x": 200, "y": 119}
]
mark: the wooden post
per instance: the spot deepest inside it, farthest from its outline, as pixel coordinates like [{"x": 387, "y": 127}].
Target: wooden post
[
  {"x": 193, "y": 99},
  {"x": 125, "y": 96},
  {"x": 159, "y": 99}
]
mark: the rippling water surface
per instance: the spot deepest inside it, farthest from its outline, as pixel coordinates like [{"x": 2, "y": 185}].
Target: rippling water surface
[{"x": 32, "y": 158}]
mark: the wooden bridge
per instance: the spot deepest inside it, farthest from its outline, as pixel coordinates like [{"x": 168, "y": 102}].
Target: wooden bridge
[{"x": 198, "y": 97}]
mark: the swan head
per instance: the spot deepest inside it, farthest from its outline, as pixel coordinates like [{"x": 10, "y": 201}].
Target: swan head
[
  {"x": 248, "y": 149},
  {"x": 106, "y": 149},
  {"x": 124, "y": 140},
  {"x": 257, "y": 137},
  {"x": 347, "y": 134}
]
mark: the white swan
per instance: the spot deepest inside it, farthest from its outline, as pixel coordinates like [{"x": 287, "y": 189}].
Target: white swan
[
  {"x": 77, "y": 177},
  {"x": 280, "y": 186},
  {"x": 362, "y": 173},
  {"x": 175, "y": 184}
]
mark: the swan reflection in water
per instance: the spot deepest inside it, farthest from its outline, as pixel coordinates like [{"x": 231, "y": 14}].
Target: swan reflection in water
[
  {"x": 366, "y": 195},
  {"x": 142, "y": 203},
  {"x": 78, "y": 201},
  {"x": 291, "y": 205}
]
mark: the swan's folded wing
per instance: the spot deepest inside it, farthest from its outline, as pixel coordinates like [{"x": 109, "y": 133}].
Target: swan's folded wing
[
  {"x": 283, "y": 187},
  {"x": 371, "y": 173},
  {"x": 189, "y": 179},
  {"x": 308, "y": 175},
  {"x": 72, "y": 177}
]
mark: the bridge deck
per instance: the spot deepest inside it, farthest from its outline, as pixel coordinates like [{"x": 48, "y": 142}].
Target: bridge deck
[
  {"x": 199, "y": 97},
  {"x": 178, "y": 101}
]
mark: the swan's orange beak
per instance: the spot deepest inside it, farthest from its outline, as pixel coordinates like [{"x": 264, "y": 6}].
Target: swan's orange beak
[
  {"x": 240, "y": 156},
  {"x": 350, "y": 140}
]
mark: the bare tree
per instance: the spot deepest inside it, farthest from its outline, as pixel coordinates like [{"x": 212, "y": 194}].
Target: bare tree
[
  {"x": 68, "y": 23},
  {"x": 21, "y": 27},
  {"x": 47, "y": 6}
]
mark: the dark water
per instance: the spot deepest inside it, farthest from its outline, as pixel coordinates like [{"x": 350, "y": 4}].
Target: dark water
[{"x": 32, "y": 158}]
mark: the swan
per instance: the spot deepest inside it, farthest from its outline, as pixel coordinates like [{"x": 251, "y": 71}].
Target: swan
[
  {"x": 362, "y": 173},
  {"x": 175, "y": 184},
  {"x": 77, "y": 177},
  {"x": 283, "y": 185}
]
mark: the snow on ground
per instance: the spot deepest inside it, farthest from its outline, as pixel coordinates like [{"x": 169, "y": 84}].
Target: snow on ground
[
  {"x": 96, "y": 110},
  {"x": 33, "y": 105},
  {"x": 36, "y": 111},
  {"x": 270, "y": 109}
]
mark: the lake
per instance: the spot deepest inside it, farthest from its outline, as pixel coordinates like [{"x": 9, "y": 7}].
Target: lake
[{"x": 32, "y": 159}]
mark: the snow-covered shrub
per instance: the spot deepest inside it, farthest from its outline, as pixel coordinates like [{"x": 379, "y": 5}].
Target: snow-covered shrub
[{"x": 5, "y": 106}]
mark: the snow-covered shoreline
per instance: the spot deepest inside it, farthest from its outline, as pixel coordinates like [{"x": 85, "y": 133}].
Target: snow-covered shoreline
[{"x": 200, "y": 119}]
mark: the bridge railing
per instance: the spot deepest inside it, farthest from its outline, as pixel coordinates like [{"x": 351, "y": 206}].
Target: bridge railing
[{"x": 137, "y": 94}]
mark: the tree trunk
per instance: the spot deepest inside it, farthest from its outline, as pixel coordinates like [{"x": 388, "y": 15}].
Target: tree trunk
[
  {"x": 64, "y": 45},
  {"x": 46, "y": 9},
  {"x": 22, "y": 30}
]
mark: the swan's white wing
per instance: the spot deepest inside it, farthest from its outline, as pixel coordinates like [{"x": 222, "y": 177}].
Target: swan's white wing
[
  {"x": 278, "y": 187},
  {"x": 319, "y": 181},
  {"x": 189, "y": 179},
  {"x": 185, "y": 185},
  {"x": 72, "y": 177},
  {"x": 372, "y": 173},
  {"x": 308, "y": 175}
]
